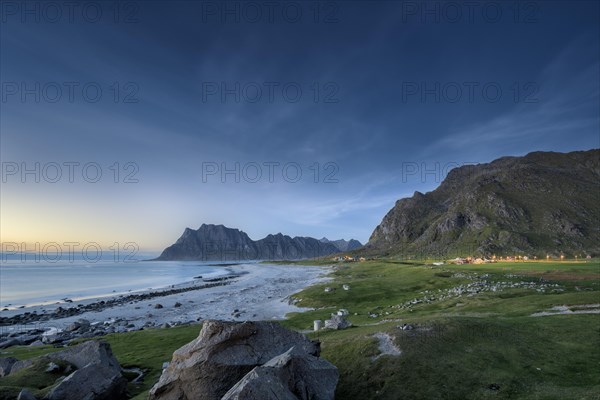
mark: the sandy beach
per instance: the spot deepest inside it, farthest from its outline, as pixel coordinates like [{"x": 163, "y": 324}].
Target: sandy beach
[{"x": 248, "y": 292}]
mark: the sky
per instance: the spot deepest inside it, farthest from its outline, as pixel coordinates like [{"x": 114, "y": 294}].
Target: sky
[{"x": 130, "y": 121}]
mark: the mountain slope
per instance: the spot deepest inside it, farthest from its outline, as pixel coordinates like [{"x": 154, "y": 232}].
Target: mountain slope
[
  {"x": 541, "y": 203},
  {"x": 219, "y": 243},
  {"x": 210, "y": 242},
  {"x": 283, "y": 247},
  {"x": 342, "y": 244}
]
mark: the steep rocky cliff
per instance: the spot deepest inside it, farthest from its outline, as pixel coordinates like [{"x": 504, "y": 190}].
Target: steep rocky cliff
[
  {"x": 219, "y": 243},
  {"x": 541, "y": 203}
]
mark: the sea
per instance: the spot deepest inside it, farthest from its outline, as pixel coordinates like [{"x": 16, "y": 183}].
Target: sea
[{"x": 27, "y": 281}]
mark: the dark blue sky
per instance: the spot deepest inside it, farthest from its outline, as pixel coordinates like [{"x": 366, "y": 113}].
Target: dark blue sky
[{"x": 381, "y": 98}]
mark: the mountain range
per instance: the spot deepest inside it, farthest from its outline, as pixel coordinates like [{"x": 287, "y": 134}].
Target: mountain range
[
  {"x": 342, "y": 244},
  {"x": 220, "y": 243},
  {"x": 542, "y": 203}
]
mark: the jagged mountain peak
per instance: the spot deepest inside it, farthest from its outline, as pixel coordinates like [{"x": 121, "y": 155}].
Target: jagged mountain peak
[{"x": 218, "y": 242}]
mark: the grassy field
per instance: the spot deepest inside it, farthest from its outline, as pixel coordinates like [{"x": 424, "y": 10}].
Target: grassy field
[
  {"x": 146, "y": 349},
  {"x": 473, "y": 337},
  {"x": 480, "y": 346}
]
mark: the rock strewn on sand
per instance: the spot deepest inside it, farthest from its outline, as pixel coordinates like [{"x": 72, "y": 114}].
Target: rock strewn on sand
[
  {"x": 61, "y": 312},
  {"x": 259, "y": 292}
]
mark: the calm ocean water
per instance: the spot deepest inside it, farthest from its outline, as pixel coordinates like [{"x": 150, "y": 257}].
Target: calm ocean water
[{"x": 30, "y": 282}]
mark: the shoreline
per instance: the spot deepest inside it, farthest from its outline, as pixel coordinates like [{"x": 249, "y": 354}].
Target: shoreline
[
  {"x": 247, "y": 292},
  {"x": 50, "y": 300}
]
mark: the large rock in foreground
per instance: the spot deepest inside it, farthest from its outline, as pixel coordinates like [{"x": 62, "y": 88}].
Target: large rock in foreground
[
  {"x": 224, "y": 352},
  {"x": 292, "y": 375},
  {"x": 6, "y": 364},
  {"x": 98, "y": 375}
]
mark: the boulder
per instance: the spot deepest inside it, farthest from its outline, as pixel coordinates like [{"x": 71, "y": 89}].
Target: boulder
[
  {"x": 9, "y": 343},
  {"x": 98, "y": 375},
  {"x": 21, "y": 364},
  {"x": 293, "y": 375},
  {"x": 52, "y": 367},
  {"x": 73, "y": 327},
  {"x": 337, "y": 322},
  {"x": 90, "y": 352},
  {"x": 81, "y": 325},
  {"x": 6, "y": 363},
  {"x": 25, "y": 395},
  {"x": 92, "y": 382},
  {"x": 224, "y": 353},
  {"x": 50, "y": 339}
]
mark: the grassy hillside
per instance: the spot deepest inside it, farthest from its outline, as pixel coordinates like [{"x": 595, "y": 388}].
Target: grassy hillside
[
  {"x": 466, "y": 345},
  {"x": 541, "y": 203}
]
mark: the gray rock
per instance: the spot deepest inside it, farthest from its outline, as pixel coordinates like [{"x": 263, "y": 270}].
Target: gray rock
[
  {"x": 90, "y": 352},
  {"x": 25, "y": 395},
  {"x": 6, "y": 363},
  {"x": 293, "y": 375},
  {"x": 92, "y": 382},
  {"x": 157, "y": 306},
  {"x": 97, "y": 377},
  {"x": 9, "y": 343},
  {"x": 52, "y": 367},
  {"x": 81, "y": 325},
  {"x": 50, "y": 339},
  {"x": 73, "y": 327},
  {"x": 19, "y": 365},
  {"x": 224, "y": 353},
  {"x": 337, "y": 322}
]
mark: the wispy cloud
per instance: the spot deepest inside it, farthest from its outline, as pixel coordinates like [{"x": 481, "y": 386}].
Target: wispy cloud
[{"x": 565, "y": 107}]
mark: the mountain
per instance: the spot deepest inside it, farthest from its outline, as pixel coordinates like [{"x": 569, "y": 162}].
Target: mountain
[
  {"x": 542, "y": 203},
  {"x": 210, "y": 242},
  {"x": 219, "y": 243},
  {"x": 342, "y": 244},
  {"x": 283, "y": 247}
]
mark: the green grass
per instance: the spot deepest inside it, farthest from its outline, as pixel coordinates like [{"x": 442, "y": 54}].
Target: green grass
[
  {"x": 460, "y": 358},
  {"x": 463, "y": 348},
  {"x": 35, "y": 378},
  {"x": 146, "y": 349}
]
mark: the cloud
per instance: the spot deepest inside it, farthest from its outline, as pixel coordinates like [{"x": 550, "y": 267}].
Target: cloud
[{"x": 568, "y": 96}]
